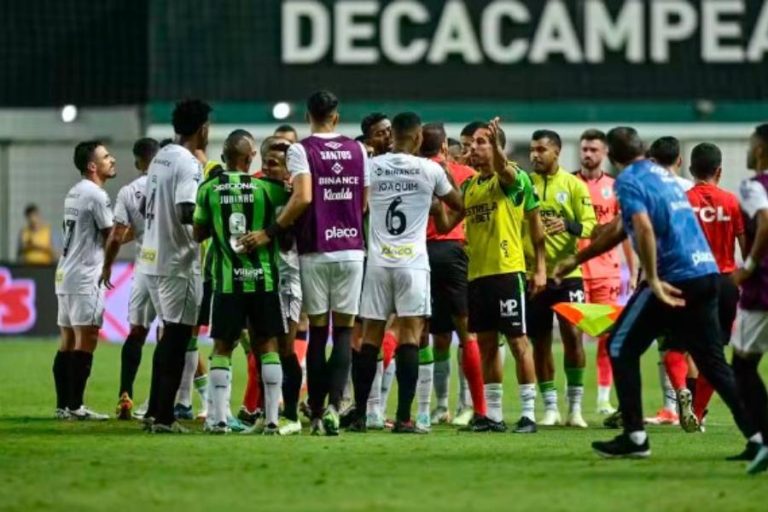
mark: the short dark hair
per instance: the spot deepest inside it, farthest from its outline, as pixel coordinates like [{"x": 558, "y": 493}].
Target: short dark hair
[
  {"x": 761, "y": 132},
  {"x": 371, "y": 119},
  {"x": 470, "y": 129},
  {"x": 706, "y": 158},
  {"x": 405, "y": 122},
  {"x": 84, "y": 153},
  {"x": 146, "y": 148},
  {"x": 233, "y": 140},
  {"x": 624, "y": 145},
  {"x": 268, "y": 143},
  {"x": 553, "y": 137},
  {"x": 321, "y": 105},
  {"x": 189, "y": 116},
  {"x": 165, "y": 142},
  {"x": 453, "y": 142},
  {"x": 593, "y": 134},
  {"x": 30, "y": 208},
  {"x": 665, "y": 150},
  {"x": 434, "y": 137},
  {"x": 284, "y": 128}
]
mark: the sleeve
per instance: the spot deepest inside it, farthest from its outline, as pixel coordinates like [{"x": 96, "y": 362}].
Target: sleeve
[
  {"x": 366, "y": 166},
  {"x": 753, "y": 197},
  {"x": 738, "y": 218},
  {"x": 187, "y": 180},
  {"x": 102, "y": 211},
  {"x": 121, "y": 211},
  {"x": 439, "y": 179},
  {"x": 296, "y": 160},
  {"x": 202, "y": 214},
  {"x": 530, "y": 197},
  {"x": 631, "y": 198},
  {"x": 583, "y": 209},
  {"x": 277, "y": 193}
]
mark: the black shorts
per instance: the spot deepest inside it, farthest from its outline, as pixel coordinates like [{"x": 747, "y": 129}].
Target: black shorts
[
  {"x": 540, "y": 317},
  {"x": 204, "y": 316},
  {"x": 497, "y": 303},
  {"x": 260, "y": 313},
  {"x": 448, "y": 262}
]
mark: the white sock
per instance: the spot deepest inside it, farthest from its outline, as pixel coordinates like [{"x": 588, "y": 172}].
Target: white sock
[
  {"x": 442, "y": 379},
  {"x": 386, "y": 385},
  {"x": 603, "y": 394},
  {"x": 670, "y": 397},
  {"x": 272, "y": 375},
  {"x": 465, "y": 397},
  {"x": 493, "y": 395},
  {"x": 550, "y": 400},
  {"x": 221, "y": 378},
  {"x": 756, "y": 438},
  {"x": 575, "y": 395},
  {"x": 201, "y": 385},
  {"x": 528, "y": 401},
  {"x": 374, "y": 398},
  {"x": 348, "y": 392},
  {"x": 424, "y": 387},
  {"x": 184, "y": 396},
  {"x": 638, "y": 436}
]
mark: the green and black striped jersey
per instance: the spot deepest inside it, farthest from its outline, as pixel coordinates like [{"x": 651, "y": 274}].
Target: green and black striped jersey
[{"x": 230, "y": 205}]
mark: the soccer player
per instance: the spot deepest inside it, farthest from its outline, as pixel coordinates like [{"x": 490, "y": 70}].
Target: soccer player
[
  {"x": 448, "y": 275},
  {"x": 454, "y": 150},
  {"x": 752, "y": 342},
  {"x": 679, "y": 293},
  {"x": 87, "y": 223},
  {"x": 170, "y": 257},
  {"x": 602, "y": 276},
  {"x": 377, "y": 133},
  {"x": 286, "y": 132},
  {"x": 497, "y": 202},
  {"x": 129, "y": 224},
  {"x": 720, "y": 216},
  {"x": 397, "y": 275},
  {"x": 329, "y": 174},
  {"x": 229, "y": 208},
  {"x": 568, "y": 216},
  {"x": 467, "y": 138}
]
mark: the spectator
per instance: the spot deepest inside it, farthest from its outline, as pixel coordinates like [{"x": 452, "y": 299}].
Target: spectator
[{"x": 36, "y": 245}]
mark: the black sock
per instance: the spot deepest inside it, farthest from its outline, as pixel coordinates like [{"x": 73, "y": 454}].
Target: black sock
[
  {"x": 690, "y": 383},
  {"x": 81, "y": 370},
  {"x": 301, "y": 335},
  {"x": 316, "y": 369},
  {"x": 367, "y": 360},
  {"x": 291, "y": 386},
  {"x": 130, "y": 359},
  {"x": 62, "y": 379},
  {"x": 158, "y": 367},
  {"x": 338, "y": 364},
  {"x": 752, "y": 392},
  {"x": 175, "y": 340},
  {"x": 407, "y": 371},
  {"x": 355, "y": 367}
]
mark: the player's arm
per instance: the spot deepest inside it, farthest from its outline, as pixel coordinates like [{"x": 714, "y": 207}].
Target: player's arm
[
  {"x": 754, "y": 201},
  {"x": 185, "y": 193},
  {"x": 201, "y": 225},
  {"x": 610, "y": 235},
  {"x": 629, "y": 256},
  {"x": 537, "y": 234},
  {"x": 506, "y": 170},
  {"x": 646, "y": 251},
  {"x": 114, "y": 239},
  {"x": 446, "y": 195},
  {"x": 584, "y": 212},
  {"x": 104, "y": 219}
]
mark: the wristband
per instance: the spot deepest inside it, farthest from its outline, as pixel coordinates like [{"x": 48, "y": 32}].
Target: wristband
[
  {"x": 749, "y": 265},
  {"x": 274, "y": 230}
]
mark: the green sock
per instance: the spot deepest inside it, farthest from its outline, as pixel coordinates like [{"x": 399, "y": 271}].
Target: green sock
[
  {"x": 426, "y": 355},
  {"x": 575, "y": 376},
  {"x": 192, "y": 345},
  {"x": 442, "y": 355},
  {"x": 201, "y": 382},
  {"x": 547, "y": 385}
]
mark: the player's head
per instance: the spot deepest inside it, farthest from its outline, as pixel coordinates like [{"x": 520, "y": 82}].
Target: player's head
[
  {"x": 757, "y": 155},
  {"x": 454, "y": 150},
  {"x": 545, "y": 151},
  {"x": 665, "y": 151},
  {"x": 481, "y": 149},
  {"x": 467, "y": 135},
  {"x": 377, "y": 132},
  {"x": 144, "y": 150},
  {"x": 323, "y": 109},
  {"x": 706, "y": 162},
  {"x": 273, "y": 151},
  {"x": 435, "y": 141},
  {"x": 94, "y": 162},
  {"x": 406, "y": 131},
  {"x": 287, "y": 132},
  {"x": 592, "y": 149},
  {"x": 239, "y": 151},
  {"x": 624, "y": 146},
  {"x": 190, "y": 122}
]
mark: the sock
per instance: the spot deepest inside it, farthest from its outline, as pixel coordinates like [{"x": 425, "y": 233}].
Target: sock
[
  {"x": 291, "y": 386},
  {"x": 638, "y": 437},
  {"x": 130, "y": 359},
  {"x": 604, "y": 370},
  {"x": 62, "y": 363},
  {"x": 184, "y": 396},
  {"x": 374, "y": 404},
  {"x": 272, "y": 375},
  {"x": 221, "y": 378},
  {"x": 407, "y": 360},
  {"x": 347, "y": 394},
  {"x": 316, "y": 369},
  {"x": 442, "y": 377},
  {"x": 465, "y": 398},
  {"x": 338, "y": 365},
  {"x": 173, "y": 347},
  {"x": 493, "y": 396},
  {"x": 668, "y": 392},
  {"x": 386, "y": 383},
  {"x": 472, "y": 365},
  {"x": 549, "y": 393},
  {"x": 81, "y": 370},
  {"x": 201, "y": 386},
  {"x": 366, "y": 372},
  {"x": 424, "y": 383},
  {"x": 703, "y": 395},
  {"x": 252, "y": 396},
  {"x": 603, "y": 394},
  {"x": 575, "y": 378},
  {"x": 677, "y": 368},
  {"x": 528, "y": 401},
  {"x": 388, "y": 347}
]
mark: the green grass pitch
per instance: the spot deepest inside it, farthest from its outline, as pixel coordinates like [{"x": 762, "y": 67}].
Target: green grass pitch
[{"x": 50, "y": 465}]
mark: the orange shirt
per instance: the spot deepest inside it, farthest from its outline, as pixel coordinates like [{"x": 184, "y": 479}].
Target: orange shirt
[
  {"x": 606, "y": 208},
  {"x": 460, "y": 174}
]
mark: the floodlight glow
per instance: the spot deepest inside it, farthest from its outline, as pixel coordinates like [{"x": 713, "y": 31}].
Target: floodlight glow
[
  {"x": 281, "y": 110},
  {"x": 68, "y": 113}
]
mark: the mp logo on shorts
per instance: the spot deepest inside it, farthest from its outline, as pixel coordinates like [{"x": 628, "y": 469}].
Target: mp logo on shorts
[
  {"x": 576, "y": 296},
  {"x": 509, "y": 308}
]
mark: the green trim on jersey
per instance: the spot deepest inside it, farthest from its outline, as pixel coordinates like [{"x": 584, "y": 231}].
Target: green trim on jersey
[{"x": 230, "y": 205}]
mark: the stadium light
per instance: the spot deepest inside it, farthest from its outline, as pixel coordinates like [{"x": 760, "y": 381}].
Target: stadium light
[
  {"x": 281, "y": 111},
  {"x": 68, "y": 113}
]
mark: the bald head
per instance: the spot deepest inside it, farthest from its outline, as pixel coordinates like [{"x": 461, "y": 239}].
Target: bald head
[{"x": 239, "y": 150}]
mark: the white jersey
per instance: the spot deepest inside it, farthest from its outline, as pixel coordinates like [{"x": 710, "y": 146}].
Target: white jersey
[
  {"x": 168, "y": 248},
  {"x": 753, "y": 197},
  {"x": 87, "y": 211},
  {"x": 399, "y": 199},
  {"x": 128, "y": 207}
]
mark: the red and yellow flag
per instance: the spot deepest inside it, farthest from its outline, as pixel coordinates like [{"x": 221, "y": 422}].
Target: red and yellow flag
[{"x": 593, "y": 319}]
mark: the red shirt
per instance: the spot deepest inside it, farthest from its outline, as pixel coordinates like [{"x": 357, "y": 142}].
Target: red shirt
[
  {"x": 720, "y": 217},
  {"x": 607, "y": 265},
  {"x": 460, "y": 174}
]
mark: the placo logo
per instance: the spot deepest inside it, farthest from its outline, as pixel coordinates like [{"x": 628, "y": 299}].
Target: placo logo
[
  {"x": 336, "y": 233},
  {"x": 17, "y": 303}
]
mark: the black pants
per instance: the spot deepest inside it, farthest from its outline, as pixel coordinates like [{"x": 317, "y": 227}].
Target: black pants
[{"x": 696, "y": 324}]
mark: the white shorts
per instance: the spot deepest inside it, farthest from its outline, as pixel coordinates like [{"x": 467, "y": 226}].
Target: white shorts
[
  {"x": 753, "y": 332},
  {"x": 176, "y": 299},
  {"x": 140, "y": 309},
  {"x": 331, "y": 286},
  {"x": 290, "y": 295},
  {"x": 81, "y": 310},
  {"x": 388, "y": 290}
]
